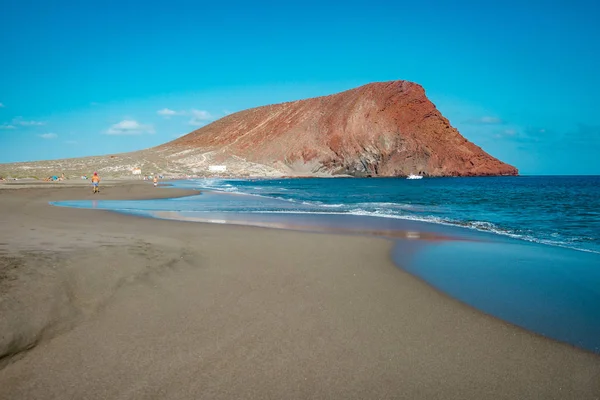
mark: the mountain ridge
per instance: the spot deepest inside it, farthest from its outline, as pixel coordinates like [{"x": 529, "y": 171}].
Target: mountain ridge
[
  {"x": 375, "y": 129},
  {"x": 378, "y": 129}
]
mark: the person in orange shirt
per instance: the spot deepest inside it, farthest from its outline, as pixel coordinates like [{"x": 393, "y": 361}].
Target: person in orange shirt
[{"x": 95, "y": 182}]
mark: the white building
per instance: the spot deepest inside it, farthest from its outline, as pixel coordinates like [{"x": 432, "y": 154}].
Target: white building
[{"x": 217, "y": 168}]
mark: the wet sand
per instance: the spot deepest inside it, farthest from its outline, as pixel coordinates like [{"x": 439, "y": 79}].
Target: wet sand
[{"x": 95, "y": 304}]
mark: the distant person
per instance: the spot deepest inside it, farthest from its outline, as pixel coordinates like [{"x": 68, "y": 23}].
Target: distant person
[
  {"x": 155, "y": 180},
  {"x": 96, "y": 182}
]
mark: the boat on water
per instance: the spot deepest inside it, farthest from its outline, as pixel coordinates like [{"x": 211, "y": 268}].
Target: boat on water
[{"x": 412, "y": 176}]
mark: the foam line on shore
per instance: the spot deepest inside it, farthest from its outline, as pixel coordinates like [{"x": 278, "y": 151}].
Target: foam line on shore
[{"x": 235, "y": 311}]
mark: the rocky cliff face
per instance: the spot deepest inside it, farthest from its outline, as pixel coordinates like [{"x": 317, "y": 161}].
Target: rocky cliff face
[{"x": 380, "y": 129}]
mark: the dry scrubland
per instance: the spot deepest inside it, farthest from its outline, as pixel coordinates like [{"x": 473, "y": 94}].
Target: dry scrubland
[{"x": 166, "y": 162}]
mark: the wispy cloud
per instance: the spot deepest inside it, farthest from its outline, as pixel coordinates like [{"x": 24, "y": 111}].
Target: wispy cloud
[
  {"x": 129, "y": 127},
  {"x": 485, "y": 120},
  {"x": 23, "y": 122},
  {"x": 527, "y": 135},
  {"x": 584, "y": 134},
  {"x": 7, "y": 126},
  {"x": 167, "y": 112},
  {"x": 1, "y": 105},
  {"x": 200, "y": 117},
  {"x": 506, "y": 134},
  {"x": 48, "y": 135}
]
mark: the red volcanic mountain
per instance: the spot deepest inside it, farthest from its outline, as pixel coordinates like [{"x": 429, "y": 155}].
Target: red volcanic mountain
[{"x": 380, "y": 129}]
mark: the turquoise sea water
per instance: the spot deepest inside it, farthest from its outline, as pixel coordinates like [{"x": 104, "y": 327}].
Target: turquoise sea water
[{"x": 525, "y": 249}]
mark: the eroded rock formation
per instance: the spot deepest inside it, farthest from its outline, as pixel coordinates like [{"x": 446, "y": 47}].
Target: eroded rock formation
[{"x": 380, "y": 129}]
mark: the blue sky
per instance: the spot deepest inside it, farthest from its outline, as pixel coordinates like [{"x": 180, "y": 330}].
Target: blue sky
[{"x": 78, "y": 78}]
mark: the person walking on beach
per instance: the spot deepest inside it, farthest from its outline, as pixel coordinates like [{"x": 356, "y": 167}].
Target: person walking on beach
[
  {"x": 155, "y": 180},
  {"x": 95, "y": 182}
]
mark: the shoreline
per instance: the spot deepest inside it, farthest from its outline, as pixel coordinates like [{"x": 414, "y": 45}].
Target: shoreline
[
  {"x": 508, "y": 266},
  {"x": 249, "y": 304},
  {"x": 555, "y": 286}
]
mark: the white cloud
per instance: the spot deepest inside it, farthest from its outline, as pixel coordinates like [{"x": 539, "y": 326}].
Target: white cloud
[
  {"x": 48, "y": 135},
  {"x": 167, "y": 112},
  {"x": 7, "y": 126},
  {"x": 489, "y": 120},
  {"x": 200, "y": 117},
  {"x": 508, "y": 133},
  {"x": 23, "y": 122},
  {"x": 129, "y": 127},
  {"x": 485, "y": 120},
  {"x": 1, "y": 105}
]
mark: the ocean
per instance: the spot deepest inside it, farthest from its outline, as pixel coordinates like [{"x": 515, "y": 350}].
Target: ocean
[
  {"x": 525, "y": 249},
  {"x": 559, "y": 211}
]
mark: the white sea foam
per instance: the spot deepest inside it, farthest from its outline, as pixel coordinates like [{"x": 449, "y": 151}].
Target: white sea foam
[{"x": 401, "y": 211}]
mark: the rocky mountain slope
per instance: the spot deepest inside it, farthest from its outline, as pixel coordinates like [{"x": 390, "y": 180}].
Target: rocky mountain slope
[{"x": 380, "y": 129}]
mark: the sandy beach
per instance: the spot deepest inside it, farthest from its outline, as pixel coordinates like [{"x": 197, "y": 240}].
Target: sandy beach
[{"x": 99, "y": 305}]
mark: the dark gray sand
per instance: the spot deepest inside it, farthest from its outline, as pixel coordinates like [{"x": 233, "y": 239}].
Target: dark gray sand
[{"x": 98, "y": 305}]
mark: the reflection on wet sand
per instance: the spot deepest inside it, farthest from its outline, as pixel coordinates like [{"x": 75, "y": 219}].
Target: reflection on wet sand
[
  {"x": 284, "y": 223},
  {"x": 499, "y": 276}
]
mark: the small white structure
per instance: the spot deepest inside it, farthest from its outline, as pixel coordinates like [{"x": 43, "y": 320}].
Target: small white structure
[
  {"x": 217, "y": 168},
  {"x": 136, "y": 171}
]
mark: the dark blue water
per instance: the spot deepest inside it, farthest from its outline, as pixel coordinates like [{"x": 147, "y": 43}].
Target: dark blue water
[
  {"x": 531, "y": 254},
  {"x": 561, "y": 210}
]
